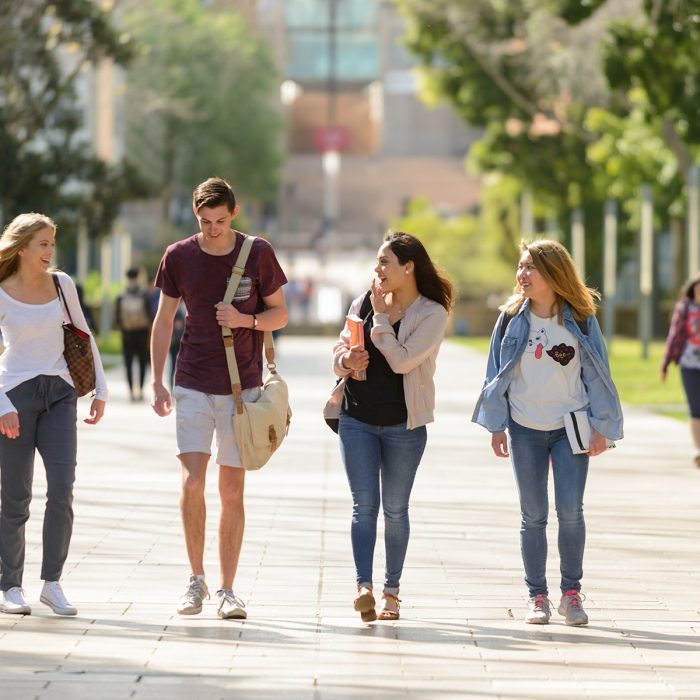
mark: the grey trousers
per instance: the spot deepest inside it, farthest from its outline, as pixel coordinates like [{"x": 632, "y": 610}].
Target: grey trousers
[{"x": 47, "y": 408}]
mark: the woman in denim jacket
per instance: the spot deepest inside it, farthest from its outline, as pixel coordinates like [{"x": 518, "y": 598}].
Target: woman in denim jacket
[{"x": 547, "y": 358}]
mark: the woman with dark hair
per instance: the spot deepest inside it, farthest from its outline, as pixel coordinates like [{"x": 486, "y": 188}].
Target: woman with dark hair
[
  {"x": 683, "y": 348},
  {"x": 382, "y": 419}
]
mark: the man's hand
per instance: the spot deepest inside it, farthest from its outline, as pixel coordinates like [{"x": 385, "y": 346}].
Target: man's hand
[
  {"x": 97, "y": 410},
  {"x": 229, "y": 316},
  {"x": 9, "y": 425},
  {"x": 162, "y": 402},
  {"x": 499, "y": 444}
]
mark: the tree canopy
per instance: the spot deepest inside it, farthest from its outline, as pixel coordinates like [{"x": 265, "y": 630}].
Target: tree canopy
[
  {"x": 200, "y": 100},
  {"x": 47, "y": 163},
  {"x": 579, "y": 101}
]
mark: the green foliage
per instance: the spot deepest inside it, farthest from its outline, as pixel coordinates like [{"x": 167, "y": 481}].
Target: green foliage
[
  {"x": 199, "y": 101},
  {"x": 580, "y": 100},
  {"x": 46, "y": 164},
  {"x": 458, "y": 245}
]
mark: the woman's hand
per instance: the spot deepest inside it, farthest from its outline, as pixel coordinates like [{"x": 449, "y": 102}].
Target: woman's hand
[
  {"x": 596, "y": 445},
  {"x": 662, "y": 374},
  {"x": 377, "y": 299},
  {"x": 97, "y": 410},
  {"x": 9, "y": 425},
  {"x": 355, "y": 359},
  {"x": 499, "y": 444}
]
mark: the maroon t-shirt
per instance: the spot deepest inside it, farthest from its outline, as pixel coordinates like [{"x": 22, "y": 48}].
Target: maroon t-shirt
[{"x": 201, "y": 279}]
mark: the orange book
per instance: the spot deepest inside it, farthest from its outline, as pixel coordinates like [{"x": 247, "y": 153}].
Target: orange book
[{"x": 356, "y": 326}]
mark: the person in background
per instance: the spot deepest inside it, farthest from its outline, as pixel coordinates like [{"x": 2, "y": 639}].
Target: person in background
[
  {"x": 134, "y": 317},
  {"x": 547, "y": 358},
  {"x": 382, "y": 420},
  {"x": 683, "y": 348},
  {"x": 38, "y": 407}
]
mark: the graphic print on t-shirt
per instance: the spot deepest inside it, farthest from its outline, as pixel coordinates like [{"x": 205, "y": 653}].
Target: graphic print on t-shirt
[
  {"x": 562, "y": 353},
  {"x": 537, "y": 342}
]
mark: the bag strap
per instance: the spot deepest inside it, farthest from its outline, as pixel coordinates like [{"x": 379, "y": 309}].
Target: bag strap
[
  {"x": 61, "y": 296},
  {"x": 227, "y": 334}
]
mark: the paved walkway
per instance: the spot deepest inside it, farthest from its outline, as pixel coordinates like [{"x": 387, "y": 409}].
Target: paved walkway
[{"x": 461, "y": 635}]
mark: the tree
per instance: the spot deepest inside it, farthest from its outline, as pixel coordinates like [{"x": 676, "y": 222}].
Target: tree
[
  {"x": 579, "y": 101},
  {"x": 47, "y": 164},
  {"x": 200, "y": 100}
]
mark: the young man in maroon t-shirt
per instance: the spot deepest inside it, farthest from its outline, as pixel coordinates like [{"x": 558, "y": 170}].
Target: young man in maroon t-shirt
[{"x": 197, "y": 270}]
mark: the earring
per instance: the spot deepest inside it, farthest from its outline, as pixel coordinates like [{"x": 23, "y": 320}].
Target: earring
[{"x": 406, "y": 270}]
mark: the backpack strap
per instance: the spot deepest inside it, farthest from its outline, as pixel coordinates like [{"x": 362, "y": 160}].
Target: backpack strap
[
  {"x": 227, "y": 334},
  {"x": 366, "y": 306}
]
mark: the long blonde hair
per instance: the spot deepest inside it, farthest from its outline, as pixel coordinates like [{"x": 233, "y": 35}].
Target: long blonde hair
[
  {"x": 16, "y": 236},
  {"x": 553, "y": 262}
]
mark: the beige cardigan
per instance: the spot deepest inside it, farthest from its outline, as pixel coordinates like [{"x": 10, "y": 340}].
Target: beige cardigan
[{"x": 412, "y": 354}]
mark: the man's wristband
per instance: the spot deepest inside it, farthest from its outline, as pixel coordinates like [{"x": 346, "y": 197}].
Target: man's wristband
[{"x": 255, "y": 322}]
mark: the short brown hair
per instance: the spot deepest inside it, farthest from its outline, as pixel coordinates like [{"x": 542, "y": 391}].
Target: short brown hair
[{"x": 213, "y": 193}]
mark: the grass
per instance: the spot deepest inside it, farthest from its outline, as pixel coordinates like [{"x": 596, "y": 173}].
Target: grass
[{"x": 637, "y": 379}]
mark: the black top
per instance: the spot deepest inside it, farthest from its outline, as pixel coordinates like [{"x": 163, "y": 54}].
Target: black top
[{"x": 379, "y": 400}]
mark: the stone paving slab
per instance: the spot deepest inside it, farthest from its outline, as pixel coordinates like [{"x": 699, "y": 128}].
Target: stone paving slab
[{"x": 461, "y": 634}]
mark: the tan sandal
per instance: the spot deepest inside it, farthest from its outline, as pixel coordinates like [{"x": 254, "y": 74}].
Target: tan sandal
[
  {"x": 365, "y": 604},
  {"x": 390, "y": 607}
]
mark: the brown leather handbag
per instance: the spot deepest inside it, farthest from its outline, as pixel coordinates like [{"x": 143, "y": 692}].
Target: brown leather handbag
[{"x": 77, "y": 350}]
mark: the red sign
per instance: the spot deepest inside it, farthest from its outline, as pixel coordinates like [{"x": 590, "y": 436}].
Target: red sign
[{"x": 331, "y": 138}]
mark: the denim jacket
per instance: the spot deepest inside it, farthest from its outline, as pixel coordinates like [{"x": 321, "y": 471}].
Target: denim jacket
[{"x": 492, "y": 409}]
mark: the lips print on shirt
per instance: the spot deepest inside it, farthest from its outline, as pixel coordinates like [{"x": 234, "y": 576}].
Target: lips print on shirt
[{"x": 562, "y": 353}]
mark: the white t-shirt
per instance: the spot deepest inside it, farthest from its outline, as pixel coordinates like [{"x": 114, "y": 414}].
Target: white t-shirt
[
  {"x": 33, "y": 339},
  {"x": 547, "y": 382}
]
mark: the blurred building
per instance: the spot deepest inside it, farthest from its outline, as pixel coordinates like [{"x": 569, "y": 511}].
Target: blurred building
[{"x": 349, "y": 89}]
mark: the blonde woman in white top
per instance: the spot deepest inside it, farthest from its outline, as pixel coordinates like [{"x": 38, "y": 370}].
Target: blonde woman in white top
[{"x": 38, "y": 407}]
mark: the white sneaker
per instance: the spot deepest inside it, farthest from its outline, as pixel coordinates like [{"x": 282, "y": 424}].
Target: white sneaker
[
  {"x": 193, "y": 597},
  {"x": 230, "y": 606},
  {"x": 12, "y": 602},
  {"x": 539, "y": 610},
  {"x": 53, "y": 596}
]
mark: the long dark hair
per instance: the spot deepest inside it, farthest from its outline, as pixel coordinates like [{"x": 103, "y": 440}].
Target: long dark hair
[
  {"x": 688, "y": 289},
  {"x": 431, "y": 282}
]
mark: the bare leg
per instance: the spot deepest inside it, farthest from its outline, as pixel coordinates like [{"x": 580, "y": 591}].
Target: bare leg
[
  {"x": 695, "y": 431},
  {"x": 232, "y": 524},
  {"x": 193, "y": 507}
]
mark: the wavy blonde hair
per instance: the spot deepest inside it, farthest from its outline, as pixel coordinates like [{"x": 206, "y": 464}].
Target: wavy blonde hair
[
  {"x": 16, "y": 236},
  {"x": 553, "y": 262}
]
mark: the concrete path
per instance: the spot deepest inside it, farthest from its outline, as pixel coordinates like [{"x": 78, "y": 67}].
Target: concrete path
[{"x": 461, "y": 634}]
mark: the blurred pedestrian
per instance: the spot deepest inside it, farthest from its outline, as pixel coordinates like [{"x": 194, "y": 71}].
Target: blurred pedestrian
[
  {"x": 197, "y": 270},
  {"x": 134, "y": 318},
  {"x": 38, "y": 407},
  {"x": 382, "y": 419},
  {"x": 548, "y": 358},
  {"x": 683, "y": 348}
]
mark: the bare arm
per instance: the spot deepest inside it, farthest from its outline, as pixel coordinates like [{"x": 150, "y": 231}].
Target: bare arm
[
  {"x": 160, "y": 345},
  {"x": 272, "y": 318}
]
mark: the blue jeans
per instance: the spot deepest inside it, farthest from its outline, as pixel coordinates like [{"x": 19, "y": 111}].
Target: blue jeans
[
  {"x": 390, "y": 455},
  {"x": 530, "y": 453}
]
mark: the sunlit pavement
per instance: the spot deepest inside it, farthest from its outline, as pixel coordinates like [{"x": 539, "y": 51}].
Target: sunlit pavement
[{"x": 461, "y": 634}]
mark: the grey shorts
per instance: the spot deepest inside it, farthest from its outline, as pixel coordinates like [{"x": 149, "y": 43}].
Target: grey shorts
[{"x": 200, "y": 417}]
